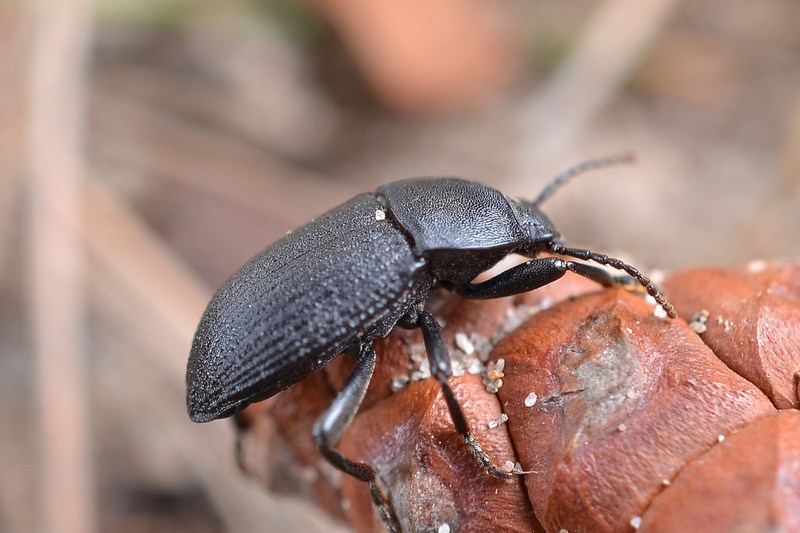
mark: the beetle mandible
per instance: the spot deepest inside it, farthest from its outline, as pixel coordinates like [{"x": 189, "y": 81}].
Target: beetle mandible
[{"x": 348, "y": 277}]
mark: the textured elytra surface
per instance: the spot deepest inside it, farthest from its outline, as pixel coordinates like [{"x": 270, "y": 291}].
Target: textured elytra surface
[{"x": 300, "y": 303}]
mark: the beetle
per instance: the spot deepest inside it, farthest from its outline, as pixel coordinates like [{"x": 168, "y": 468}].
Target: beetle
[{"x": 350, "y": 276}]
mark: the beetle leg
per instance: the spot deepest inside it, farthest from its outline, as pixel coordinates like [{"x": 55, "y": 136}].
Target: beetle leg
[
  {"x": 330, "y": 426},
  {"x": 603, "y": 276},
  {"x": 439, "y": 358},
  {"x": 532, "y": 275},
  {"x": 598, "y": 275}
]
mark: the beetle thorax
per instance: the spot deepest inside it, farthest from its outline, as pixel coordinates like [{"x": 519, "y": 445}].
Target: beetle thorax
[{"x": 459, "y": 227}]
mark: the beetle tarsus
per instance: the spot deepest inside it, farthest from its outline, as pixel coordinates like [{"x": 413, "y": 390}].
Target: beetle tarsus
[
  {"x": 483, "y": 458},
  {"x": 384, "y": 509}
]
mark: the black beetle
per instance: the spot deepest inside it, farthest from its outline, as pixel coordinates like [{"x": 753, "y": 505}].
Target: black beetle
[{"x": 348, "y": 277}]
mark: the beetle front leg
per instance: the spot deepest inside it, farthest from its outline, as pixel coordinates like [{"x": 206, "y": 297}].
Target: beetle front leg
[
  {"x": 330, "y": 426},
  {"x": 532, "y": 275},
  {"x": 439, "y": 358}
]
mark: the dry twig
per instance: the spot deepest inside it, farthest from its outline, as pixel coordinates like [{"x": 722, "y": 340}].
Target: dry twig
[{"x": 56, "y": 168}]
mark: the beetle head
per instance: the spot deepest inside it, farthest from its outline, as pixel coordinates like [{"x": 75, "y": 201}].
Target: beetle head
[
  {"x": 545, "y": 237},
  {"x": 541, "y": 231}
]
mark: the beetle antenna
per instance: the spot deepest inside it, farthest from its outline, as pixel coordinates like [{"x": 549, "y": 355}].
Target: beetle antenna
[
  {"x": 588, "y": 255},
  {"x": 592, "y": 164}
]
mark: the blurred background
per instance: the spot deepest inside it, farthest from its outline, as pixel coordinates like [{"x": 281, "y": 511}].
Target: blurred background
[{"x": 150, "y": 147}]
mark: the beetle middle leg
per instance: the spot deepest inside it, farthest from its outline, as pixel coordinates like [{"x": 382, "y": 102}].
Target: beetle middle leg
[
  {"x": 441, "y": 369},
  {"x": 330, "y": 426}
]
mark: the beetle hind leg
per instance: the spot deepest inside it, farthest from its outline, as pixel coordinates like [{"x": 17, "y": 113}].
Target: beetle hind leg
[
  {"x": 330, "y": 426},
  {"x": 439, "y": 358}
]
